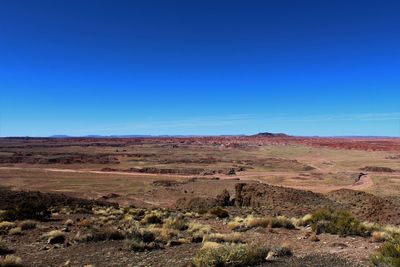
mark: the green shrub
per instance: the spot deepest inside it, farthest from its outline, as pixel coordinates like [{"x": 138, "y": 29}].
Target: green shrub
[
  {"x": 337, "y": 222},
  {"x": 234, "y": 255},
  {"x": 219, "y": 212},
  {"x": 389, "y": 254},
  {"x": 36, "y": 210}
]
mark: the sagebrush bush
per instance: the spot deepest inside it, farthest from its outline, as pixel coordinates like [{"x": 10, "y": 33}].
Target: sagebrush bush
[
  {"x": 389, "y": 254},
  {"x": 337, "y": 222},
  {"x": 235, "y": 255}
]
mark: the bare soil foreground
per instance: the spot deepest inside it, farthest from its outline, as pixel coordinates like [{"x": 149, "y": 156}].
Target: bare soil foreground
[{"x": 264, "y": 200}]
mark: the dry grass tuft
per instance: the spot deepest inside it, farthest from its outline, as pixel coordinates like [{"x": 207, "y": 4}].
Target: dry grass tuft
[
  {"x": 100, "y": 234},
  {"x": 265, "y": 222},
  {"x": 11, "y": 261},
  {"x": 177, "y": 223},
  {"x": 380, "y": 236},
  {"x": 252, "y": 222},
  {"x": 152, "y": 218},
  {"x": 69, "y": 222},
  {"x": 55, "y": 237},
  {"x": 6, "y": 226},
  {"x": 234, "y": 255},
  {"x": 28, "y": 225},
  {"x": 86, "y": 223},
  {"x": 4, "y": 249},
  {"x": 198, "y": 231},
  {"x": 15, "y": 231},
  {"x": 219, "y": 212},
  {"x": 163, "y": 234},
  {"x": 388, "y": 254},
  {"x": 135, "y": 245},
  {"x": 221, "y": 238}
]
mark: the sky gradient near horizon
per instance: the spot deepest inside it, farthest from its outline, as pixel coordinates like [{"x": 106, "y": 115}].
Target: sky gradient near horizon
[{"x": 201, "y": 67}]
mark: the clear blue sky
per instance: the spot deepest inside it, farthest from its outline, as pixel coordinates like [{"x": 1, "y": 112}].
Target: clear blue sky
[{"x": 82, "y": 67}]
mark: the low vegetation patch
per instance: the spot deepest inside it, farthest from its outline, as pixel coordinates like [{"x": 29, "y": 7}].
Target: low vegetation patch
[
  {"x": 11, "y": 261},
  {"x": 222, "y": 238},
  {"x": 28, "y": 225},
  {"x": 135, "y": 245},
  {"x": 100, "y": 234},
  {"x": 219, "y": 212},
  {"x": 251, "y": 221},
  {"x": 152, "y": 218},
  {"x": 36, "y": 210},
  {"x": 380, "y": 236},
  {"x": 55, "y": 237},
  {"x": 388, "y": 254},
  {"x": 177, "y": 223},
  {"x": 6, "y": 226},
  {"x": 4, "y": 250},
  {"x": 69, "y": 222},
  {"x": 198, "y": 231},
  {"x": 337, "y": 222},
  {"x": 235, "y": 255},
  {"x": 15, "y": 231},
  {"x": 163, "y": 234}
]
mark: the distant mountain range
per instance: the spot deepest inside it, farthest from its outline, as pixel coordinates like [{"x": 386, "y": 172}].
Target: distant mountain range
[{"x": 262, "y": 134}]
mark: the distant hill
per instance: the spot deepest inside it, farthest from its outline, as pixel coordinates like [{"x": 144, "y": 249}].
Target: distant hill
[
  {"x": 59, "y": 136},
  {"x": 267, "y": 134}
]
